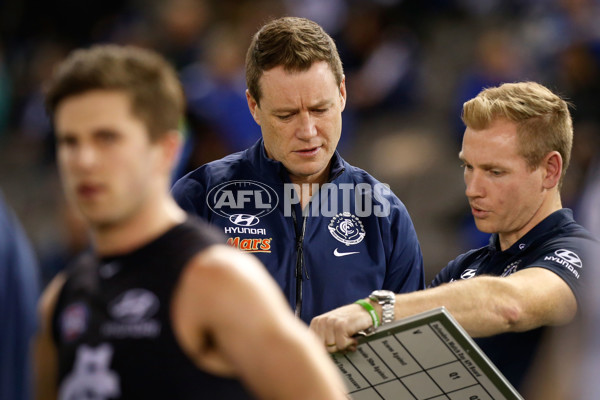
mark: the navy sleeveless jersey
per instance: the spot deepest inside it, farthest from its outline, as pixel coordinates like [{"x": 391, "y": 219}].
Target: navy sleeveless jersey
[
  {"x": 112, "y": 325},
  {"x": 558, "y": 244}
]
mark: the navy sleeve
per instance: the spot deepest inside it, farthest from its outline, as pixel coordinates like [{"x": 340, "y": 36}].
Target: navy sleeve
[
  {"x": 405, "y": 272},
  {"x": 568, "y": 258},
  {"x": 190, "y": 195},
  {"x": 19, "y": 291}
]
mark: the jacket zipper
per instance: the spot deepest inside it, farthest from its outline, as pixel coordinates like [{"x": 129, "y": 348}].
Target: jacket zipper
[
  {"x": 300, "y": 267},
  {"x": 299, "y": 264}
]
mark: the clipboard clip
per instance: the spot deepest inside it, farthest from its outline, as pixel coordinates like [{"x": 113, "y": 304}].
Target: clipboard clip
[{"x": 366, "y": 332}]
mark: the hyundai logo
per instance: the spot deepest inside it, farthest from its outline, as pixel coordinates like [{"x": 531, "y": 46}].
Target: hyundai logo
[
  {"x": 569, "y": 257},
  {"x": 244, "y": 219},
  {"x": 468, "y": 274}
]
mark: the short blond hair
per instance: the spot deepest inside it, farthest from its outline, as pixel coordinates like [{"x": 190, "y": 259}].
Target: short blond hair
[{"x": 543, "y": 120}]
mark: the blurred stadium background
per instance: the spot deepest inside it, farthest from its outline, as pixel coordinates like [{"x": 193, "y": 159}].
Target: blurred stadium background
[{"x": 409, "y": 66}]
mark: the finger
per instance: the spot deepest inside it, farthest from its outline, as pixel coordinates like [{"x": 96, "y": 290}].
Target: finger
[
  {"x": 330, "y": 341},
  {"x": 341, "y": 337},
  {"x": 331, "y": 347}
]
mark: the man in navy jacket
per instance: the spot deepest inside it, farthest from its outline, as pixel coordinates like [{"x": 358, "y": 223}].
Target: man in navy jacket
[{"x": 328, "y": 232}]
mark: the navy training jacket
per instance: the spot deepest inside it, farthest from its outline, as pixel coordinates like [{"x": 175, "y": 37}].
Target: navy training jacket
[{"x": 353, "y": 237}]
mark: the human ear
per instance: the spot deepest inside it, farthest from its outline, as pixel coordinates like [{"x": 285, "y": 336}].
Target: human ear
[
  {"x": 253, "y": 106},
  {"x": 170, "y": 146},
  {"x": 552, "y": 164},
  {"x": 343, "y": 93}
]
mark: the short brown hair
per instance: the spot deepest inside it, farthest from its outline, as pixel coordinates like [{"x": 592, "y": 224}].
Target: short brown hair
[
  {"x": 295, "y": 43},
  {"x": 151, "y": 82},
  {"x": 543, "y": 120}
]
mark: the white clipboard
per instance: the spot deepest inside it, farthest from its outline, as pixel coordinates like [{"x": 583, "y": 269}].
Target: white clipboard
[{"x": 428, "y": 356}]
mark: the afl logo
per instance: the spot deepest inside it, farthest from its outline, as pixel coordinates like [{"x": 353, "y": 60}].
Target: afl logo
[
  {"x": 242, "y": 202},
  {"x": 346, "y": 228},
  {"x": 569, "y": 257}
]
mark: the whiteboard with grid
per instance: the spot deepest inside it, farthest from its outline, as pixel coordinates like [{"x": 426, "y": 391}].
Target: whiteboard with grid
[{"x": 424, "y": 357}]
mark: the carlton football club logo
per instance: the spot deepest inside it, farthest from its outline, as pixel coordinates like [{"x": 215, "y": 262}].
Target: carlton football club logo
[
  {"x": 511, "y": 268},
  {"x": 74, "y": 321},
  {"x": 242, "y": 202},
  {"x": 347, "y": 228}
]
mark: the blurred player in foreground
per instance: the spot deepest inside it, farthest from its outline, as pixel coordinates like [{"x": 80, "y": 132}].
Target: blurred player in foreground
[{"x": 160, "y": 309}]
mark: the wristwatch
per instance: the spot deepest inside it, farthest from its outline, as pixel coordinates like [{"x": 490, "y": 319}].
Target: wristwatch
[{"x": 387, "y": 299}]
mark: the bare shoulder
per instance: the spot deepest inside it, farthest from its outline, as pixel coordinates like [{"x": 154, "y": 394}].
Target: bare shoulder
[
  {"x": 45, "y": 358},
  {"x": 223, "y": 292},
  {"x": 225, "y": 279},
  {"x": 222, "y": 265},
  {"x": 49, "y": 297}
]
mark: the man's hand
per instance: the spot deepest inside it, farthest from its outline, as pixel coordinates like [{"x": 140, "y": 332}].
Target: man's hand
[{"x": 336, "y": 328}]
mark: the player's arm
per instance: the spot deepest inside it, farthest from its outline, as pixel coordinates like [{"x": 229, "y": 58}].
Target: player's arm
[
  {"x": 243, "y": 326},
  {"x": 484, "y": 306},
  {"x": 44, "y": 350}
]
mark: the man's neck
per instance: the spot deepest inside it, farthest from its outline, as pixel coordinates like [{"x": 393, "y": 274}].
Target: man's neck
[
  {"x": 139, "y": 229},
  {"x": 506, "y": 240},
  {"x": 307, "y": 186}
]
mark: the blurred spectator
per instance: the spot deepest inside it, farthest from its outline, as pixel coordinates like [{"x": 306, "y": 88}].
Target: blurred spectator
[
  {"x": 578, "y": 76},
  {"x": 177, "y": 27},
  {"x": 581, "y": 174},
  {"x": 588, "y": 209},
  {"x": 496, "y": 60},
  {"x": 330, "y": 14},
  {"x": 19, "y": 291},
  {"x": 34, "y": 126},
  {"x": 380, "y": 61},
  {"x": 215, "y": 88}
]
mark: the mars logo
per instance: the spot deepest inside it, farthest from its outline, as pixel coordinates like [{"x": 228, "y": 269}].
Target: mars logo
[
  {"x": 569, "y": 257},
  {"x": 251, "y": 245},
  {"x": 347, "y": 228},
  {"x": 242, "y": 202}
]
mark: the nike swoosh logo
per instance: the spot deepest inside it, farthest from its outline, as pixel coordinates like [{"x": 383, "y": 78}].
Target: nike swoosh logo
[{"x": 338, "y": 254}]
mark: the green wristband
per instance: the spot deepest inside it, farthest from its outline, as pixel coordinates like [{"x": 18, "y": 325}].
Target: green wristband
[{"x": 371, "y": 310}]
